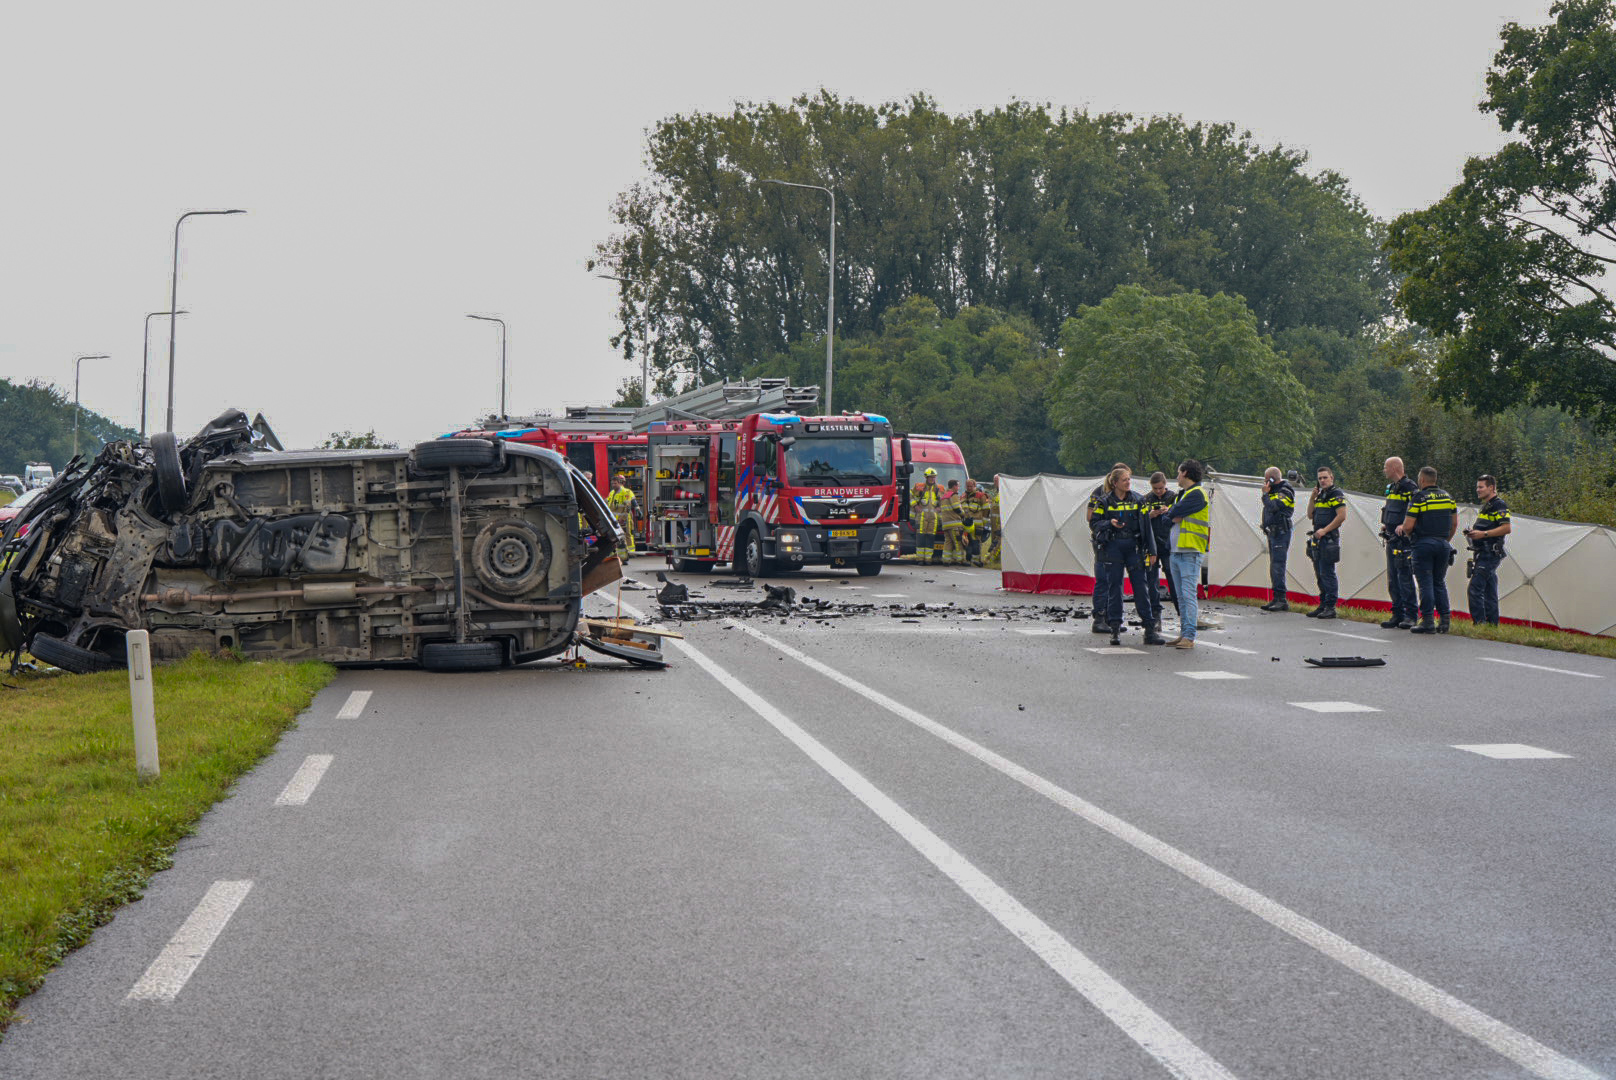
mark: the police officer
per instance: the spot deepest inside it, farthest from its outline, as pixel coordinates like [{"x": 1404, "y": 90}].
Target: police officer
[
  {"x": 1278, "y": 512},
  {"x": 1122, "y": 536},
  {"x": 1432, "y": 519},
  {"x": 1327, "y": 507},
  {"x": 1161, "y": 527},
  {"x": 1399, "y": 550},
  {"x": 1102, "y": 569},
  {"x": 1487, "y": 541}
]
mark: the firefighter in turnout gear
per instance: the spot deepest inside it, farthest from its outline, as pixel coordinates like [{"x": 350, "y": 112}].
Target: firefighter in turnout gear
[
  {"x": 995, "y": 526},
  {"x": 1487, "y": 542},
  {"x": 1122, "y": 537},
  {"x": 1399, "y": 549},
  {"x": 926, "y": 502},
  {"x": 624, "y": 505},
  {"x": 1278, "y": 512},
  {"x": 1433, "y": 518},
  {"x": 952, "y": 515},
  {"x": 1327, "y": 507},
  {"x": 976, "y": 505}
]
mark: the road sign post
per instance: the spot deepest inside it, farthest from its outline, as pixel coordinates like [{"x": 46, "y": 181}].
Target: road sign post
[{"x": 141, "y": 705}]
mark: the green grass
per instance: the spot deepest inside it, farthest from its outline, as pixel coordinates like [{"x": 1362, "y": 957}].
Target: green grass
[
  {"x": 1558, "y": 640},
  {"x": 79, "y": 834},
  {"x": 6, "y": 496}
]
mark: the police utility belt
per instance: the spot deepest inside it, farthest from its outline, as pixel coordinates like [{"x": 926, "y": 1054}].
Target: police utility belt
[{"x": 1326, "y": 548}]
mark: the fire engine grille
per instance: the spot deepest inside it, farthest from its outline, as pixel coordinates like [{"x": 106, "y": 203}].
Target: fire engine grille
[
  {"x": 837, "y": 509},
  {"x": 842, "y": 548}
]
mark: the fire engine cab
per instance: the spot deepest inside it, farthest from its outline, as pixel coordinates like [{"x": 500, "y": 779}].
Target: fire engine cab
[{"x": 773, "y": 492}]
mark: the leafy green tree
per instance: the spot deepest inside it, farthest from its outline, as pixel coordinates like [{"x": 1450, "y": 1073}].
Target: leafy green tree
[
  {"x": 1167, "y": 377},
  {"x": 1509, "y": 266},
  {"x": 352, "y": 440},
  {"x": 1022, "y": 209},
  {"x": 36, "y": 424}
]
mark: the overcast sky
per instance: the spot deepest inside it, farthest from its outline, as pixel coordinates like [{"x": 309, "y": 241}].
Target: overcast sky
[{"x": 404, "y": 164}]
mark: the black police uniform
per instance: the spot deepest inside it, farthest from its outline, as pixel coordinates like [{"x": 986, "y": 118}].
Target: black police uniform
[
  {"x": 1122, "y": 548},
  {"x": 1433, "y": 511},
  {"x": 1278, "y": 510},
  {"x": 1326, "y": 550},
  {"x": 1489, "y": 553},
  {"x": 1102, "y": 569},
  {"x": 1399, "y": 551},
  {"x": 1162, "y": 531}
]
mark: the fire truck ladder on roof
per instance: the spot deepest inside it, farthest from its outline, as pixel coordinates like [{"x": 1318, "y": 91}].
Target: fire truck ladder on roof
[{"x": 727, "y": 401}]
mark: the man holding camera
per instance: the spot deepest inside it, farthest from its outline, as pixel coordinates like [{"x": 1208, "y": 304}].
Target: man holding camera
[
  {"x": 1487, "y": 541},
  {"x": 1278, "y": 508},
  {"x": 1327, "y": 507}
]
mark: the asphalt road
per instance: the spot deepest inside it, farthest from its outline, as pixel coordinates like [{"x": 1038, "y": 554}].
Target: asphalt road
[{"x": 896, "y": 844}]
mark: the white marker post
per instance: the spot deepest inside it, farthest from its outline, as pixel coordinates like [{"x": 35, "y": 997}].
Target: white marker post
[{"x": 138, "y": 643}]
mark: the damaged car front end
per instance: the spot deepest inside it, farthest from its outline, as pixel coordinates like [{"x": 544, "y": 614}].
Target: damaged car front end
[{"x": 457, "y": 555}]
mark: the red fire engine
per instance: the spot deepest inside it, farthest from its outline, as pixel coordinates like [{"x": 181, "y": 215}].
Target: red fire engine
[{"x": 777, "y": 491}]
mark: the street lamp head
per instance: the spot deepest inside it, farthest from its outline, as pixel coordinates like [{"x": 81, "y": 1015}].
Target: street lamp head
[{"x": 97, "y": 356}]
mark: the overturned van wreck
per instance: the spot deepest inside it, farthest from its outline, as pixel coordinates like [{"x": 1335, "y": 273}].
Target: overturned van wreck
[{"x": 458, "y": 555}]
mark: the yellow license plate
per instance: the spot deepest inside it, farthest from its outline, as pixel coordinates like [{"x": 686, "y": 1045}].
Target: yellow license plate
[
  {"x": 837, "y": 534},
  {"x": 700, "y": 551}
]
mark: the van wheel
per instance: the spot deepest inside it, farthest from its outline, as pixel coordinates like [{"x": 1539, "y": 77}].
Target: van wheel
[
  {"x": 446, "y": 453},
  {"x": 69, "y": 657},
  {"x": 170, "y": 476},
  {"x": 868, "y": 569},
  {"x": 751, "y": 563}
]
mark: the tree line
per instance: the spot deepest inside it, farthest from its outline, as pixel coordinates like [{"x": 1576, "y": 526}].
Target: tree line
[
  {"x": 36, "y": 424},
  {"x": 1059, "y": 289}
]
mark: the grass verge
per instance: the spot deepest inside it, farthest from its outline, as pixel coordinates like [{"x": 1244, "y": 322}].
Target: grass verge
[
  {"x": 1558, "y": 640},
  {"x": 79, "y": 834}
]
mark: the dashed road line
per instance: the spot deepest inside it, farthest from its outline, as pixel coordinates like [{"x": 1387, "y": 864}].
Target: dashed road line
[
  {"x": 1508, "y": 750},
  {"x": 1360, "y": 637},
  {"x": 1333, "y": 706},
  {"x": 1535, "y": 1057},
  {"x": 354, "y": 707},
  {"x": 183, "y": 954},
  {"x": 1211, "y": 675},
  {"x": 1540, "y": 667},
  {"x": 301, "y": 786},
  {"x": 1116, "y": 650},
  {"x": 1181, "y": 1057},
  {"x": 891, "y": 595},
  {"x": 1031, "y": 631},
  {"x": 1225, "y": 648}
]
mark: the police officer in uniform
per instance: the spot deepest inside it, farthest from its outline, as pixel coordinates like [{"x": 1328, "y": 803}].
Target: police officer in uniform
[
  {"x": 1327, "y": 507},
  {"x": 1102, "y": 569},
  {"x": 1487, "y": 541},
  {"x": 1433, "y": 517},
  {"x": 1399, "y": 550},
  {"x": 1160, "y": 498},
  {"x": 1122, "y": 537},
  {"x": 1278, "y": 510}
]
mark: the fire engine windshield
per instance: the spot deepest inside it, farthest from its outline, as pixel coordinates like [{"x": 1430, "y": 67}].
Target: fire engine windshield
[{"x": 822, "y": 462}]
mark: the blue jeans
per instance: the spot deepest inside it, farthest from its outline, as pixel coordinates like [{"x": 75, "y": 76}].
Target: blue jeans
[
  {"x": 1186, "y": 572},
  {"x": 1484, "y": 589},
  {"x": 1431, "y": 571}
]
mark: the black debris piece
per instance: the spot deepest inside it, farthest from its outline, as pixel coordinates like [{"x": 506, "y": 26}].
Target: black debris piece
[
  {"x": 673, "y": 593},
  {"x": 1346, "y": 661}
]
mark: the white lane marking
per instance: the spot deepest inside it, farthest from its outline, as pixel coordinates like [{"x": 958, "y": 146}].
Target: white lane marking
[
  {"x": 890, "y": 595},
  {"x": 1117, "y": 650},
  {"x": 1032, "y": 630},
  {"x": 1508, "y": 750},
  {"x": 354, "y": 707},
  {"x": 851, "y": 588},
  {"x": 1211, "y": 675},
  {"x": 1540, "y": 667},
  {"x": 1229, "y": 615},
  {"x": 1181, "y": 1057},
  {"x": 183, "y": 954},
  {"x": 301, "y": 786},
  {"x": 1495, "y": 1034},
  {"x": 1225, "y": 648},
  {"x": 1333, "y": 706},
  {"x": 1360, "y": 637}
]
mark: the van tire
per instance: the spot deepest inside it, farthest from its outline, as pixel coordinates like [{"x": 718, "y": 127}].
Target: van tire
[
  {"x": 171, "y": 494},
  {"x": 448, "y": 453},
  {"x": 463, "y": 655}
]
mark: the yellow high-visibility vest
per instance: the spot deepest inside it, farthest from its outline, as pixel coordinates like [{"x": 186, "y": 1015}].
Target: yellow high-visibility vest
[{"x": 1195, "y": 530}]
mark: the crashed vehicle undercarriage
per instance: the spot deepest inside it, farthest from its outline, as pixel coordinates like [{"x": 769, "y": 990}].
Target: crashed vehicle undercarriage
[{"x": 458, "y": 555}]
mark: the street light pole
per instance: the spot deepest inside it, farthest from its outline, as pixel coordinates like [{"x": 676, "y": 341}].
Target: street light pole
[
  {"x": 76, "y": 363},
  {"x": 645, "y": 334},
  {"x": 174, "y": 301},
  {"x": 145, "y": 364},
  {"x": 830, "y": 304},
  {"x": 495, "y": 318}
]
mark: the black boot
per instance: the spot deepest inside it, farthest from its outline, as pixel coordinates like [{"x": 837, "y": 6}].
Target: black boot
[
  {"x": 1100, "y": 627},
  {"x": 1315, "y": 612},
  {"x": 1153, "y": 635},
  {"x": 1406, "y": 623},
  {"x": 1276, "y": 605},
  {"x": 1326, "y": 612},
  {"x": 1393, "y": 623},
  {"x": 1427, "y": 626},
  {"x": 1442, "y": 624}
]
